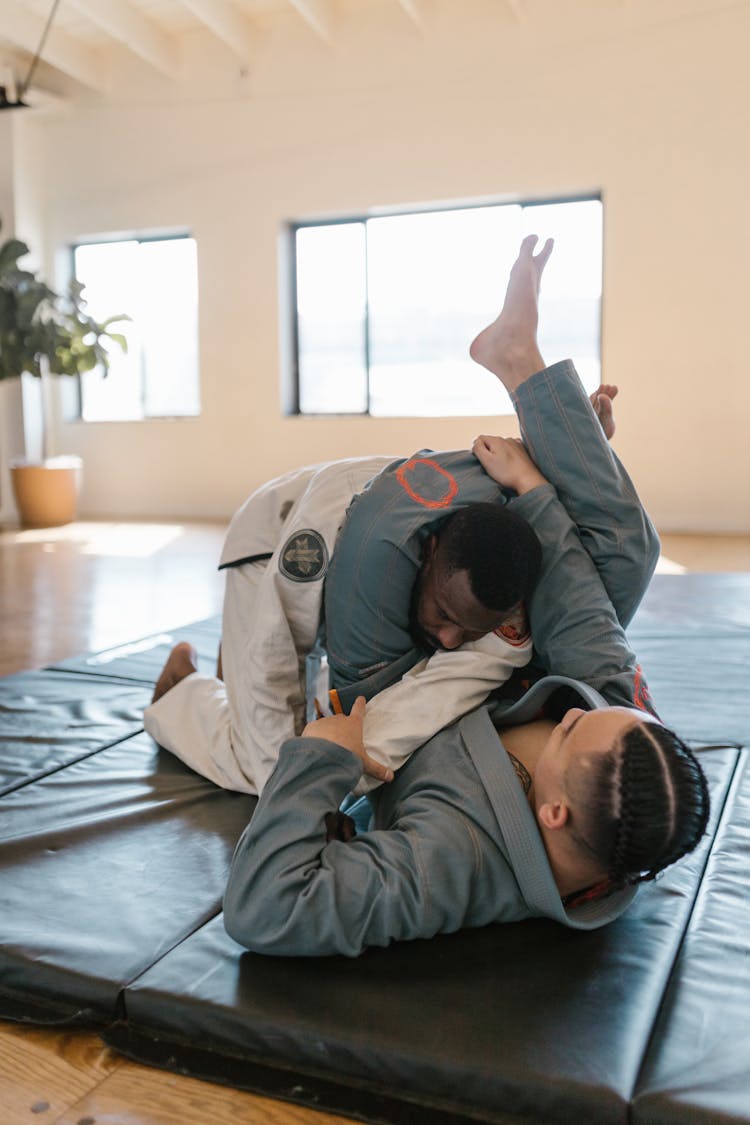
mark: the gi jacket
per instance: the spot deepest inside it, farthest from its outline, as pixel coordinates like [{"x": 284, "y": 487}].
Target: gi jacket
[{"x": 455, "y": 845}]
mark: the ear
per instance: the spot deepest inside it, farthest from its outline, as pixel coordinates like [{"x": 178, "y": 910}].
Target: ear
[
  {"x": 429, "y": 547},
  {"x": 553, "y": 814}
]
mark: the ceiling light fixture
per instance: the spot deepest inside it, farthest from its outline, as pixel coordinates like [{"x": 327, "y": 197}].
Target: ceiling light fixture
[{"x": 10, "y": 96}]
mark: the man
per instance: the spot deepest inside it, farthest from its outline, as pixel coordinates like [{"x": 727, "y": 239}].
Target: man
[
  {"x": 543, "y": 818},
  {"x": 229, "y": 728},
  {"x": 388, "y": 548}
]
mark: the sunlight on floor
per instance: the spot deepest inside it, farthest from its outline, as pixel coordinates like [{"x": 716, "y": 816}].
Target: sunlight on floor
[
  {"x": 106, "y": 540},
  {"x": 669, "y": 566}
]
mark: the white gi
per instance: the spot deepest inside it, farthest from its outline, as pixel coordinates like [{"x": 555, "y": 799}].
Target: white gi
[{"x": 231, "y": 731}]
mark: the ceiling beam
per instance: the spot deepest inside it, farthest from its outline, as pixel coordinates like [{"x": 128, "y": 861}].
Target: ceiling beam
[
  {"x": 62, "y": 51},
  {"x": 316, "y": 13},
  {"x": 132, "y": 30},
  {"x": 226, "y": 23}
]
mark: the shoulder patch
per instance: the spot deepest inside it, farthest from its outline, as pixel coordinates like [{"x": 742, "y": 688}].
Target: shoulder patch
[
  {"x": 304, "y": 556},
  {"x": 515, "y": 630},
  {"x": 641, "y": 694}
]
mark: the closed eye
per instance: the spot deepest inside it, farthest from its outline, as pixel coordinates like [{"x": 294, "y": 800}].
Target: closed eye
[{"x": 572, "y": 726}]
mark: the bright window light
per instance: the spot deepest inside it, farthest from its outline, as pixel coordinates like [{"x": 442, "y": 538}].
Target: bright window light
[
  {"x": 387, "y": 306},
  {"x": 154, "y": 281}
]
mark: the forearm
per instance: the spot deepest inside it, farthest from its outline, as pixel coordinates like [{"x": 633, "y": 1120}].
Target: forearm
[
  {"x": 566, "y": 441},
  {"x": 292, "y": 894},
  {"x": 275, "y": 901}
]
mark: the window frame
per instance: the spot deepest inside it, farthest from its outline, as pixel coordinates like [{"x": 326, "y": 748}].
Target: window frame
[
  {"x": 130, "y": 236},
  {"x": 291, "y": 373}
]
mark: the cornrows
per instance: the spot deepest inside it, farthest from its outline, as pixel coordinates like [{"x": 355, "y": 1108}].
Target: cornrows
[{"x": 663, "y": 803}]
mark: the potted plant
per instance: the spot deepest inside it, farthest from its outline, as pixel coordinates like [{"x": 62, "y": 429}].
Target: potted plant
[{"x": 46, "y": 334}]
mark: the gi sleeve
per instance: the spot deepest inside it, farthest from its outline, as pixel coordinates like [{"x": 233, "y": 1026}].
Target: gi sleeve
[
  {"x": 292, "y": 894},
  {"x": 575, "y": 627},
  {"x": 566, "y": 441},
  {"x": 435, "y": 693}
]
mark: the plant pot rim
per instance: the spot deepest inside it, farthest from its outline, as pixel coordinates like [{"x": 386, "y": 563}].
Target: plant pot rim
[{"x": 62, "y": 461}]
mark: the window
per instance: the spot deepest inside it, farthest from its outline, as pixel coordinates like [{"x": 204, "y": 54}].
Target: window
[
  {"x": 154, "y": 281},
  {"x": 386, "y": 306}
]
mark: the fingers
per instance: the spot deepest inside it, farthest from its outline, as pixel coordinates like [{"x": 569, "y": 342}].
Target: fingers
[
  {"x": 371, "y": 766},
  {"x": 376, "y": 769},
  {"x": 487, "y": 443},
  {"x": 484, "y": 449}
]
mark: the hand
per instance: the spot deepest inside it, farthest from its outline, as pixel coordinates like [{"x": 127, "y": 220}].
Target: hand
[
  {"x": 507, "y": 461},
  {"x": 347, "y": 731}
]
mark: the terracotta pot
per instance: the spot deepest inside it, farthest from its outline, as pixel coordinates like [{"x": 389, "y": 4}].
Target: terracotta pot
[{"x": 46, "y": 492}]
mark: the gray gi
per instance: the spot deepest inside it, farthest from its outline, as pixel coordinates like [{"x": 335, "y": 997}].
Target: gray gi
[
  {"x": 455, "y": 843},
  {"x": 378, "y": 557},
  {"x": 378, "y": 550}
]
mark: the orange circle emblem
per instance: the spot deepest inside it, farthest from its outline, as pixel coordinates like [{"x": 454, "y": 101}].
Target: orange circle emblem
[{"x": 451, "y": 487}]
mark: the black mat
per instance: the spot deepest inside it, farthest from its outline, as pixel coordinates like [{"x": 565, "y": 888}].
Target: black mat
[
  {"x": 531, "y": 1021},
  {"x": 105, "y": 866},
  {"x": 144, "y": 659},
  {"x": 698, "y": 1068},
  {"x": 709, "y": 604},
  {"x": 49, "y": 719},
  {"x": 113, "y": 858}
]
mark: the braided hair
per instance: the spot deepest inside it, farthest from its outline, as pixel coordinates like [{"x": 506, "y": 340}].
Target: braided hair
[
  {"x": 498, "y": 548},
  {"x": 647, "y": 804}
]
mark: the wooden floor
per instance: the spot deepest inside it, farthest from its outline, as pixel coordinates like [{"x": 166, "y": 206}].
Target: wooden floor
[{"x": 91, "y": 586}]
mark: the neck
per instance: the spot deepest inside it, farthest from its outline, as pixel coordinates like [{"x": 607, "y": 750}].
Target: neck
[{"x": 527, "y": 741}]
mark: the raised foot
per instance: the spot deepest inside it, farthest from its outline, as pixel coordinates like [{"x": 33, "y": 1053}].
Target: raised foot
[
  {"x": 508, "y": 346},
  {"x": 181, "y": 662}
]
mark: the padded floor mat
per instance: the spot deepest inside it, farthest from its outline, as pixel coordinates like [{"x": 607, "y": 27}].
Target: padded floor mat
[
  {"x": 104, "y": 867},
  {"x": 699, "y": 1064},
  {"x": 49, "y": 719},
  {"x": 531, "y": 1021},
  {"x": 144, "y": 659},
  {"x": 113, "y": 861}
]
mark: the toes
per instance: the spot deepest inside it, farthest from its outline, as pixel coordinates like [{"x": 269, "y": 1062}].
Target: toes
[{"x": 544, "y": 253}]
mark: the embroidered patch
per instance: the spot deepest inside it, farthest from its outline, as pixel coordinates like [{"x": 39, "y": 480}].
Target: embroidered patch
[
  {"x": 641, "y": 694},
  {"x": 304, "y": 556},
  {"x": 515, "y": 630},
  {"x": 427, "y": 483}
]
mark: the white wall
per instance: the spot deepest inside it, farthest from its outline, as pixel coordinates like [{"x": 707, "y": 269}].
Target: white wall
[{"x": 479, "y": 106}]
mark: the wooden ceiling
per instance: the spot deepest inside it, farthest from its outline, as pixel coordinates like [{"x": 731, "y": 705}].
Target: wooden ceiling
[{"x": 85, "y": 35}]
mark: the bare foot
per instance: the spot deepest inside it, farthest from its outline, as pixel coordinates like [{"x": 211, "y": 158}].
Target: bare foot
[
  {"x": 601, "y": 400},
  {"x": 508, "y": 347},
  {"x": 181, "y": 662}
]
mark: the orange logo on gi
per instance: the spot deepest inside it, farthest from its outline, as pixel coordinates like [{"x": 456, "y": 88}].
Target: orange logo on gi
[{"x": 413, "y": 470}]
